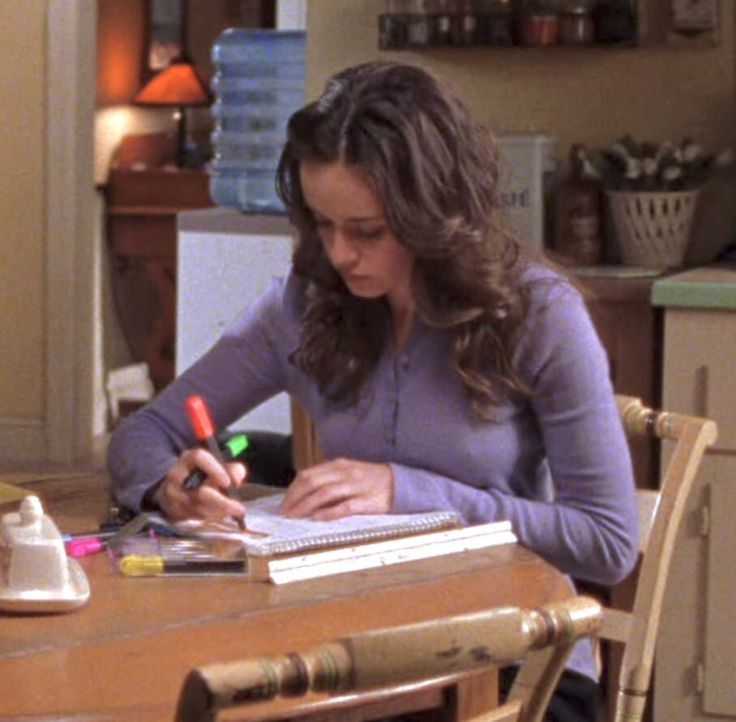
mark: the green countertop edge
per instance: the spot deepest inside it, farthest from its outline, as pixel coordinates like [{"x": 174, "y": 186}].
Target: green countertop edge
[{"x": 694, "y": 294}]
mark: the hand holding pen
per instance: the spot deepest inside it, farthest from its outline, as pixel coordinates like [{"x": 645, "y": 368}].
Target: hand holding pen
[
  {"x": 204, "y": 431},
  {"x": 230, "y": 451}
]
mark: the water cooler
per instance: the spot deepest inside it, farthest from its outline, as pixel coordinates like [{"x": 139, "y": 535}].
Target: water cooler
[{"x": 258, "y": 83}]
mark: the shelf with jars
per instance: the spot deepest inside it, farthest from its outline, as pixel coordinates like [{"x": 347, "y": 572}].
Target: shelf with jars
[{"x": 413, "y": 24}]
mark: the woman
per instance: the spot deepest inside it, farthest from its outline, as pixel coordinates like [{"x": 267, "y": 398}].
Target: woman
[{"x": 442, "y": 365}]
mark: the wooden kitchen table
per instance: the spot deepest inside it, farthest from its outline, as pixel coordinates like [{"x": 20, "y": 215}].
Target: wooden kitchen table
[{"x": 124, "y": 655}]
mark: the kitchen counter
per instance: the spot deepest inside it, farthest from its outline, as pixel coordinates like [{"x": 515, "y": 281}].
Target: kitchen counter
[
  {"x": 712, "y": 286},
  {"x": 698, "y": 625}
]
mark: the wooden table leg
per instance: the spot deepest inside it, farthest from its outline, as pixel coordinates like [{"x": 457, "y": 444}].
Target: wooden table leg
[{"x": 476, "y": 694}]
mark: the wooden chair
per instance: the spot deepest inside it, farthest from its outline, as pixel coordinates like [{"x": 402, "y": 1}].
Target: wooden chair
[
  {"x": 660, "y": 514},
  {"x": 404, "y": 658}
]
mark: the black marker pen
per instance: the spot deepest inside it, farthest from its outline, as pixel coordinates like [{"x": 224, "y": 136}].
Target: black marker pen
[{"x": 230, "y": 450}]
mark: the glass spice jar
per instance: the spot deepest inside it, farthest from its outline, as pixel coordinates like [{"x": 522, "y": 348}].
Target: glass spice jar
[
  {"x": 616, "y": 21},
  {"x": 495, "y": 22},
  {"x": 442, "y": 22},
  {"x": 419, "y": 24},
  {"x": 465, "y": 22},
  {"x": 392, "y": 26},
  {"x": 539, "y": 23},
  {"x": 576, "y": 23}
]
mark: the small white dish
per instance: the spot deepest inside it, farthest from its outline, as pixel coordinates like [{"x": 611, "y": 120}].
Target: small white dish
[{"x": 74, "y": 595}]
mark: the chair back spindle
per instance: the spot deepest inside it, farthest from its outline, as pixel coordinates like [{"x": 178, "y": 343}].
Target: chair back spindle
[
  {"x": 660, "y": 516},
  {"x": 412, "y": 653}
]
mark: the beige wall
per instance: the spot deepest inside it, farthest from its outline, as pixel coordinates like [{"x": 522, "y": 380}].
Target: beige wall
[
  {"x": 22, "y": 209},
  {"x": 589, "y": 95}
]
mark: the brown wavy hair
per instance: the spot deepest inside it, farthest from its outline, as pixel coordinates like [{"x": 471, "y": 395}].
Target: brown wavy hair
[{"x": 436, "y": 171}]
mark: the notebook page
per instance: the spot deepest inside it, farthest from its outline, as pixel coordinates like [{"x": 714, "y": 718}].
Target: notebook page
[{"x": 274, "y": 533}]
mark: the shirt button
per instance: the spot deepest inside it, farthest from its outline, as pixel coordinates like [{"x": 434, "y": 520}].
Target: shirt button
[{"x": 405, "y": 361}]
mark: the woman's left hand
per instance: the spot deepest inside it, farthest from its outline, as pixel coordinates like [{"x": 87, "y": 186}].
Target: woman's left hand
[{"x": 338, "y": 488}]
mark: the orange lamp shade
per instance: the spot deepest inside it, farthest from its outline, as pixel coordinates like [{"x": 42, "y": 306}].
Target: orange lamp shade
[{"x": 177, "y": 85}]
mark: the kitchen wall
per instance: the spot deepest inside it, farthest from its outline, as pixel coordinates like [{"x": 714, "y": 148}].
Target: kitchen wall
[{"x": 589, "y": 95}]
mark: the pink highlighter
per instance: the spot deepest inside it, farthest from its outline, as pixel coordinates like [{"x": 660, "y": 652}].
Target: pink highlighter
[{"x": 82, "y": 547}]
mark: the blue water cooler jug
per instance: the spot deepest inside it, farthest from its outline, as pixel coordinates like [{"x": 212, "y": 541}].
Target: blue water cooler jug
[{"x": 258, "y": 83}]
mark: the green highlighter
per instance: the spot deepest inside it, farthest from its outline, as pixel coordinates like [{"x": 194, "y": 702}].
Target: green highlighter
[{"x": 231, "y": 450}]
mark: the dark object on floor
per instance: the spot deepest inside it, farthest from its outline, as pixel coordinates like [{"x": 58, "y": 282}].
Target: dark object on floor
[{"x": 576, "y": 698}]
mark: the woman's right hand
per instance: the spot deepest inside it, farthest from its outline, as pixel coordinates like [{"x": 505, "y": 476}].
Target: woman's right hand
[{"x": 209, "y": 501}]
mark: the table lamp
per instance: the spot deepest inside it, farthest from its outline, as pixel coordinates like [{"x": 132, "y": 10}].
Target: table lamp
[{"x": 177, "y": 86}]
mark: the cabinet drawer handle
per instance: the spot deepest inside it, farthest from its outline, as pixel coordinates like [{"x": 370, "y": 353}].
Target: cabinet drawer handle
[{"x": 701, "y": 391}]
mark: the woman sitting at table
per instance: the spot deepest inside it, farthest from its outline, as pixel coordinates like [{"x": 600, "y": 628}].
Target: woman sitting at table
[{"x": 444, "y": 366}]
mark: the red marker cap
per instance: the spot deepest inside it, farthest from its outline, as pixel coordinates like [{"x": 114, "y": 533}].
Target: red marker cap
[{"x": 199, "y": 415}]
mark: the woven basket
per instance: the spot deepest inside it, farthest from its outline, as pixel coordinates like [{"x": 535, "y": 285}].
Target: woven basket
[{"x": 653, "y": 229}]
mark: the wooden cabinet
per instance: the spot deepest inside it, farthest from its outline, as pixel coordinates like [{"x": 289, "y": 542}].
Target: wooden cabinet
[
  {"x": 630, "y": 330},
  {"x": 695, "y": 669},
  {"x": 141, "y": 228}
]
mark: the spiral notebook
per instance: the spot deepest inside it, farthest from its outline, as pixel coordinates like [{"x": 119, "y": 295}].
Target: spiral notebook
[
  {"x": 270, "y": 534},
  {"x": 281, "y": 549}
]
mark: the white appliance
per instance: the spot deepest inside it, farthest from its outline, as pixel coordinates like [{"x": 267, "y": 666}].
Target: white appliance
[{"x": 225, "y": 261}]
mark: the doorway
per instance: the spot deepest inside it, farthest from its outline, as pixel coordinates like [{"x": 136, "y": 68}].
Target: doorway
[{"x": 74, "y": 317}]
